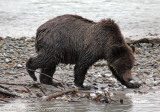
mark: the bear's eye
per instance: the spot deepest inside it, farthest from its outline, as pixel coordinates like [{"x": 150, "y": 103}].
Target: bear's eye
[{"x": 126, "y": 67}]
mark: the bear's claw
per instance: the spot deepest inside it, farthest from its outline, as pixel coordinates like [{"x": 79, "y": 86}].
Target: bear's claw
[
  {"x": 132, "y": 85},
  {"x": 83, "y": 87}
]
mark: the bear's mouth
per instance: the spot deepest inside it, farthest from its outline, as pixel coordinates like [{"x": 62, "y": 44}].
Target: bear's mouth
[
  {"x": 118, "y": 76},
  {"x": 127, "y": 83}
]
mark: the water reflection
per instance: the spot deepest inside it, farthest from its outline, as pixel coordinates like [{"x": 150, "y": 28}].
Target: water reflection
[
  {"x": 132, "y": 103},
  {"x": 21, "y": 105}
]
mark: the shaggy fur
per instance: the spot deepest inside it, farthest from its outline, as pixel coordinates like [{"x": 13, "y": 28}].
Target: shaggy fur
[{"x": 71, "y": 39}]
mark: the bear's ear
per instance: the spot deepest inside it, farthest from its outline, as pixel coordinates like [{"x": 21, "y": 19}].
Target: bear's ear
[
  {"x": 116, "y": 52},
  {"x": 133, "y": 48}
]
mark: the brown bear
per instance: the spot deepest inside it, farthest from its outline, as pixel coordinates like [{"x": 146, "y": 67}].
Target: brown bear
[{"x": 72, "y": 39}]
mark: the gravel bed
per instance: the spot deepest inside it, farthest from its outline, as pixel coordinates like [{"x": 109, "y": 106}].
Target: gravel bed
[{"x": 15, "y": 52}]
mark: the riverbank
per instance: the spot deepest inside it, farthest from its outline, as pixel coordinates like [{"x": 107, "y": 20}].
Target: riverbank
[{"x": 15, "y": 52}]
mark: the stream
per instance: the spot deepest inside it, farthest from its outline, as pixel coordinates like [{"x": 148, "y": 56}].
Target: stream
[
  {"x": 136, "y": 18},
  {"x": 131, "y": 103}
]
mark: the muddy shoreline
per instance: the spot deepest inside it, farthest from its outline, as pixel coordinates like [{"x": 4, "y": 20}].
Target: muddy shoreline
[{"x": 15, "y": 51}]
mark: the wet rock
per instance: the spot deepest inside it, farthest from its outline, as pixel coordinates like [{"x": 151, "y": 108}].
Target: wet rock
[
  {"x": 15, "y": 76},
  {"x": 107, "y": 75},
  {"x": 95, "y": 87},
  {"x": 138, "y": 51},
  {"x": 98, "y": 75},
  {"x": 38, "y": 94},
  {"x": 44, "y": 98},
  {"x": 68, "y": 67},
  {"x": 100, "y": 63},
  {"x": 9, "y": 73},
  {"x": 93, "y": 95},
  {"x": 19, "y": 66},
  {"x": 29, "y": 40},
  {"x": 158, "y": 68},
  {"x": 7, "y": 60},
  {"x": 64, "y": 98},
  {"x": 33, "y": 96}
]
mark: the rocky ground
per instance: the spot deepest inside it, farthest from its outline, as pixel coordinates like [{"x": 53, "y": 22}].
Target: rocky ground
[{"x": 15, "y": 52}]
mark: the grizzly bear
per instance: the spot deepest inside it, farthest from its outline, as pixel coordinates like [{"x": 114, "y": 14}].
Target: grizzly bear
[{"x": 72, "y": 39}]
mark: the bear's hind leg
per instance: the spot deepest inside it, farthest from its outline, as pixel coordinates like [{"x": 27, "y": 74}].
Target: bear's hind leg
[
  {"x": 47, "y": 75},
  {"x": 31, "y": 66},
  {"x": 40, "y": 61}
]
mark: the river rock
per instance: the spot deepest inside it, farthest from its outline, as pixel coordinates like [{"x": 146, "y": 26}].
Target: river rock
[
  {"x": 29, "y": 40},
  {"x": 19, "y": 66}
]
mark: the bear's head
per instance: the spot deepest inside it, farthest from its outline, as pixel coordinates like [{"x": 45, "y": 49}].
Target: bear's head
[{"x": 121, "y": 63}]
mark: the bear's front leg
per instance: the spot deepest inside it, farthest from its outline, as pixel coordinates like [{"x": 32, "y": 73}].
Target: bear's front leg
[
  {"x": 132, "y": 85},
  {"x": 79, "y": 73},
  {"x": 86, "y": 59}
]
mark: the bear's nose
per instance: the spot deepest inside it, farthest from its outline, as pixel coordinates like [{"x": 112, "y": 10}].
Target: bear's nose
[{"x": 129, "y": 79}]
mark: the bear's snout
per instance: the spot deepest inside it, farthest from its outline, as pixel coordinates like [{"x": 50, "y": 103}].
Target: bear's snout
[
  {"x": 130, "y": 79},
  {"x": 127, "y": 76}
]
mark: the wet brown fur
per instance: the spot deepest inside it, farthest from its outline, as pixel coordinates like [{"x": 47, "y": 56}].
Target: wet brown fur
[{"x": 76, "y": 40}]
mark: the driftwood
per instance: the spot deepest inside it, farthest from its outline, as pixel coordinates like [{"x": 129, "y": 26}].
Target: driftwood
[
  {"x": 61, "y": 93},
  {"x": 4, "y": 87},
  {"x": 4, "y": 100},
  {"x": 42, "y": 90},
  {"x": 7, "y": 93},
  {"x": 144, "y": 40},
  {"x": 28, "y": 90},
  {"x": 25, "y": 86},
  {"x": 13, "y": 84}
]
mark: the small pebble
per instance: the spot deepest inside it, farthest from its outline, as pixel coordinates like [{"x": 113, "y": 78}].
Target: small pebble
[{"x": 19, "y": 66}]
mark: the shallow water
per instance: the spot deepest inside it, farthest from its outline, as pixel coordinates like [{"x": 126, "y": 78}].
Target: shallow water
[
  {"x": 131, "y": 103},
  {"x": 137, "y": 18}
]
